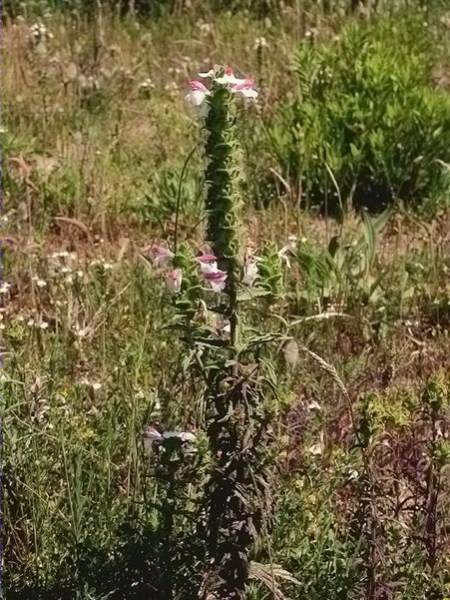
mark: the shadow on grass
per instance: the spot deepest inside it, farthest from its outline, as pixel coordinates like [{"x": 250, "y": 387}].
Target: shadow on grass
[{"x": 142, "y": 566}]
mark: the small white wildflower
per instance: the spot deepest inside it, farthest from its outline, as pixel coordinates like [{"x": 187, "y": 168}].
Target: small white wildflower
[
  {"x": 205, "y": 28},
  {"x": 81, "y": 332},
  {"x": 171, "y": 87},
  {"x": 147, "y": 85},
  {"x": 39, "y": 282},
  {"x": 314, "y": 405},
  {"x": 42, "y": 325},
  {"x": 5, "y": 287},
  {"x": 318, "y": 448},
  {"x": 61, "y": 254},
  {"x": 353, "y": 474},
  {"x": 260, "y": 43},
  {"x": 315, "y": 449},
  {"x": 95, "y": 385}
]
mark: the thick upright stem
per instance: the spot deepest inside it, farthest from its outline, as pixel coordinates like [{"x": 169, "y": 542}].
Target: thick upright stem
[
  {"x": 230, "y": 519},
  {"x": 223, "y": 199}
]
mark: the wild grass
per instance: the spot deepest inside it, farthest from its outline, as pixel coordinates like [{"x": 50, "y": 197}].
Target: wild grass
[{"x": 95, "y": 135}]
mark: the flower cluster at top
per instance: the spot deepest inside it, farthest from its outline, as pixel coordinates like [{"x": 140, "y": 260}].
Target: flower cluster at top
[{"x": 199, "y": 92}]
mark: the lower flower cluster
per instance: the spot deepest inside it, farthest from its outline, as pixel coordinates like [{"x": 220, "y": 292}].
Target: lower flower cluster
[
  {"x": 253, "y": 271},
  {"x": 207, "y": 264}
]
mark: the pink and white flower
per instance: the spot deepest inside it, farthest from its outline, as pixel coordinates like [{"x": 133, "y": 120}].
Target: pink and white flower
[
  {"x": 150, "y": 437},
  {"x": 235, "y": 84},
  {"x": 198, "y": 93},
  {"x": 207, "y": 263},
  {"x": 183, "y": 436},
  {"x": 151, "y": 434},
  {"x": 245, "y": 87},
  {"x": 228, "y": 78},
  {"x": 173, "y": 280},
  {"x": 160, "y": 255},
  {"x": 216, "y": 279}
]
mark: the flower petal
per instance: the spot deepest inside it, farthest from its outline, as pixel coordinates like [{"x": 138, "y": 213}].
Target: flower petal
[
  {"x": 174, "y": 279},
  {"x": 245, "y": 87},
  {"x": 196, "y": 97},
  {"x": 207, "y": 263},
  {"x": 208, "y": 267},
  {"x": 160, "y": 255},
  {"x": 228, "y": 80},
  {"x": 217, "y": 279},
  {"x": 198, "y": 86},
  {"x": 249, "y": 93},
  {"x": 207, "y": 74}
]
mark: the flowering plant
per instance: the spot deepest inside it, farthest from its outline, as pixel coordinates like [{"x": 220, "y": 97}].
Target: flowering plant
[
  {"x": 222, "y": 77},
  {"x": 209, "y": 288}
]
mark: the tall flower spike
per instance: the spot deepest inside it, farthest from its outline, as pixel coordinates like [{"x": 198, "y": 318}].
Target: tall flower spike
[
  {"x": 223, "y": 178},
  {"x": 230, "y": 521}
]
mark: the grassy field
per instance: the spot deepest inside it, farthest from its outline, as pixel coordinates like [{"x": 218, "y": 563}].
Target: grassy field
[{"x": 353, "y": 111}]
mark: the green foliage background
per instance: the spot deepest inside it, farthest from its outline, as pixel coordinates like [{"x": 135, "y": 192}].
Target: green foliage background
[{"x": 348, "y": 101}]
